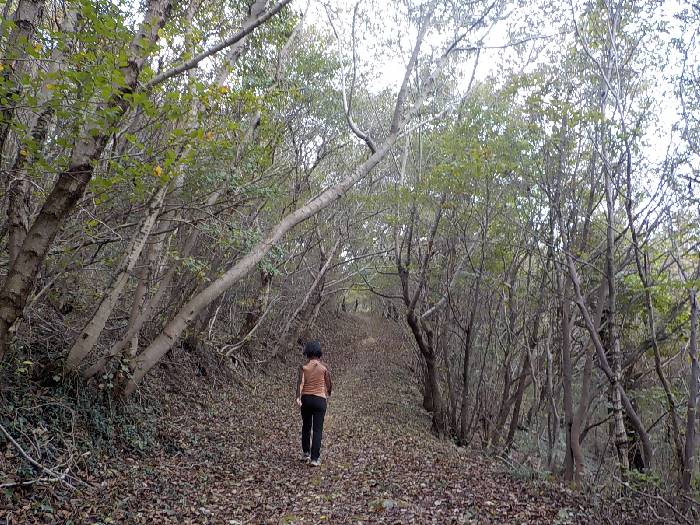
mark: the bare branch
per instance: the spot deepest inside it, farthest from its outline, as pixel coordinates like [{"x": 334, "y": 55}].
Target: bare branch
[{"x": 250, "y": 24}]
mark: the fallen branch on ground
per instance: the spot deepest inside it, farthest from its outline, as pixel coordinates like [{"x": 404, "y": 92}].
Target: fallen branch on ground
[
  {"x": 55, "y": 477},
  {"x": 657, "y": 498}
]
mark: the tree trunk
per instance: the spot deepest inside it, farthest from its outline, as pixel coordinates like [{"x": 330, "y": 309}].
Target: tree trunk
[
  {"x": 19, "y": 191},
  {"x": 144, "y": 275},
  {"x": 17, "y": 64},
  {"x": 604, "y": 364},
  {"x": 431, "y": 396},
  {"x": 468, "y": 339},
  {"x": 451, "y": 402},
  {"x": 552, "y": 414},
  {"x": 252, "y": 318},
  {"x": 427, "y": 390},
  {"x": 463, "y": 419},
  {"x": 92, "y": 330},
  {"x": 693, "y": 380},
  {"x": 503, "y": 405},
  {"x": 613, "y": 342},
  {"x": 580, "y": 414},
  {"x": 433, "y": 387},
  {"x": 571, "y": 464},
  {"x": 518, "y": 400},
  {"x": 506, "y": 399}
]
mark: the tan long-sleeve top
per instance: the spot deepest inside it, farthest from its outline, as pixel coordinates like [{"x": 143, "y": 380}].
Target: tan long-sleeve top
[{"x": 314, "y": 379}]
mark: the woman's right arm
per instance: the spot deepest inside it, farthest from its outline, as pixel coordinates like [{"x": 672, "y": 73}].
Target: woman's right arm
[
  {"x": 300, "y": 385},
  {"x": 327, "y": 380}
]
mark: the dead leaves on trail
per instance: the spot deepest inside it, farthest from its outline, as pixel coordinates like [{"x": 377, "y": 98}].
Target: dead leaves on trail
[{"x": 234, "y": 459}]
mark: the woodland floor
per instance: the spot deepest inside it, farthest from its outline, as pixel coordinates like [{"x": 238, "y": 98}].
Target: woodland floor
[{"x": 234, "y": 458}]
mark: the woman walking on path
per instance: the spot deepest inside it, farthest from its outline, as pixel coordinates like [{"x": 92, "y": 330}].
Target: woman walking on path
[{"x": 313, "y": 388}]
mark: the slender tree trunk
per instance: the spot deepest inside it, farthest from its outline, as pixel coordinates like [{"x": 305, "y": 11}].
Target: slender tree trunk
[
  {"x": 580, "y": 414},
  {"x": 427, "y": 391},
  {"x": 506, "y": 399},
  {"x": 503, "y": 405},
  {"x": 252, "y": 318},
  {"x": 314, "y": 316},
  {"x": 604, "y": 364},
  {"x": 92, "y": 330},
  {"x": 570, "y": 468},
  {"x": 137, "y": 302},
  {"x": 27, "y": 17},
  {"x": 144, "y": 276},
  {"x": 451, "y": 406},
  {"x": 463, "y": 411},
  {"x": 19, "y": 191},
  {"x": 693, "y": 381},
  {"x": 468, "y": 340},
  {"x": 552, "y": 414},
  {"x": 621, "y": 442},
  {"x": 17, "y": 64},
  {"x": 432, "y": 385},
  {"x": 518, "y": 400}
]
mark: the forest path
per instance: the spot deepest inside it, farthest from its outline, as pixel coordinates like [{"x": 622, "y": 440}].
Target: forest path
[{"x": 235, "y": 461}]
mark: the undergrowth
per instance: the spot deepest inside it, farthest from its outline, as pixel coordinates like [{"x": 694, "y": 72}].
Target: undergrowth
[{"x": 63, "y": 422}]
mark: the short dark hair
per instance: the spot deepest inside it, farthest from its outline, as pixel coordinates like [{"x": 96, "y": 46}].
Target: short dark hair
[{"x": 312, "y": 349}]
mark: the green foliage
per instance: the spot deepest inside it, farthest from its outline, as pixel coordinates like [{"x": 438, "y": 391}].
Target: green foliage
[
  {"x": 195, "y": 266},
  {"x": 271, "y": 262},
  {"x": 644, "y": 481},
  {"x": 525, "y": 473}
]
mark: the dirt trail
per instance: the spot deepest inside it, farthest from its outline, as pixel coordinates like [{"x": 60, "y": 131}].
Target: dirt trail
[
  {"x": 381, "y": 464},
  {"x": 235, "y": 460}
]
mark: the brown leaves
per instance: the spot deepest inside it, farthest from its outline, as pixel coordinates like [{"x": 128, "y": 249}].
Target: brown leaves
[{"x": 230, "y": 457}]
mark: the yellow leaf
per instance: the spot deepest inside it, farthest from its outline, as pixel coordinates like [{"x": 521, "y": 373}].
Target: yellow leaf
[
  {"x": 2, "y": 68},
  {"x": 157, "y": 171},
  {"x": 23, "y": 152}
]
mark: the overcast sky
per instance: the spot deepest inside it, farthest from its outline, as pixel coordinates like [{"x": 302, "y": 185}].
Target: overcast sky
[{"x": 388, "y": 67}]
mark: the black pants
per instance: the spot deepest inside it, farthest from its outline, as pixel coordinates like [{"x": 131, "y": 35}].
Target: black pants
[{"x": 313, "y": 410}]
